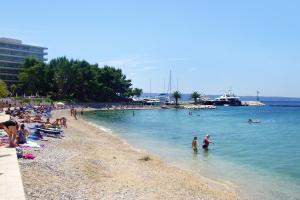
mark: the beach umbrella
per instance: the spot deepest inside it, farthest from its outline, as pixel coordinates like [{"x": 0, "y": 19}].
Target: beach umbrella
[
  {"x": 4, "y": 117},
  {"x": 60, "y": 104}
]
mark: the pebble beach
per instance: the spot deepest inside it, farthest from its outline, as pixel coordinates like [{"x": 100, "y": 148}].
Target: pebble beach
[{"x": 90, "y": 163}]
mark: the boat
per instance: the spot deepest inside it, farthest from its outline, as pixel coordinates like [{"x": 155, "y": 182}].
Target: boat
[
  {"x": 164, "y": 98},
  {"x": 151, "y": 101},
  {"x": 228, "y": 99},
  {"x": 205, "y": 100}
]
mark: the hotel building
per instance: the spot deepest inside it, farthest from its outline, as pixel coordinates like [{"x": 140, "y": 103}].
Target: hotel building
[{"x": 12, "y": 57}]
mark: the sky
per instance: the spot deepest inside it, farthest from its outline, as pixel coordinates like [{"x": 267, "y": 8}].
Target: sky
[{"x": 210, "y": 46}]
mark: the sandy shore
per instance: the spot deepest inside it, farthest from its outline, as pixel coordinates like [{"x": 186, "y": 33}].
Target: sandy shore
[{"x": 89, "y": 163}]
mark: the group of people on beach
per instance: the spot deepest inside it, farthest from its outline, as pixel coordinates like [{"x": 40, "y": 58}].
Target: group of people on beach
[
  {"x": 205, "y": 145},
  {"x": 15, "y": 119},
  {"x": 73, "y": 111}
]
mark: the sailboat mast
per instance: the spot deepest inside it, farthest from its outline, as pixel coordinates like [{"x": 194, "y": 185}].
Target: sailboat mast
[
  {"x": 150, "y": 89},
  {"x": 170, "y": 82}
]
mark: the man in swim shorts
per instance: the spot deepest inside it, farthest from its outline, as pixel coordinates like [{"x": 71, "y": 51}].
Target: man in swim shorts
[{"x": 206, "y": 142}]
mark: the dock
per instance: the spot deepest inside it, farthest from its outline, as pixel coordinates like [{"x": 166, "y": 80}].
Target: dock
[
  {"x": 252, "y": 103},
  {"x": 11, "y": 186}
]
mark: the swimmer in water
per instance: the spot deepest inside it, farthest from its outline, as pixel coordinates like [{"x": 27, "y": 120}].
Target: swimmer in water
[
  {"x": 206, "y": 142},
  {"x": 195, "y": 145}
]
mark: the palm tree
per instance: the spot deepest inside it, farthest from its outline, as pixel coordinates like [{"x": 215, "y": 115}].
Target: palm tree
[
  {"x": 176, "y": 95},
  {"x": 194, "y": 96}
]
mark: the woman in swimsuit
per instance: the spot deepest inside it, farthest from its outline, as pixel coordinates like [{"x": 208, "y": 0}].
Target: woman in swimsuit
[
  {"x": 23, "y": 134},
  {"x": 195, "y": 144}
]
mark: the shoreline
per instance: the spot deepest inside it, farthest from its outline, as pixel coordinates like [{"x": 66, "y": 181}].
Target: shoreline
[{"x": 91, "y": 163}]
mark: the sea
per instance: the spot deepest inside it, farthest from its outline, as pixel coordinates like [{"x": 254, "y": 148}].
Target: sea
[{"x": 259, "y": 160}]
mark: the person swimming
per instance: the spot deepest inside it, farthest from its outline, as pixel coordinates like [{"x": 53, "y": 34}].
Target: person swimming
[
  {"x": 206, "y": 142},
  {"x": 195, "y": 144},
  {"x": 253, "y": 121}
]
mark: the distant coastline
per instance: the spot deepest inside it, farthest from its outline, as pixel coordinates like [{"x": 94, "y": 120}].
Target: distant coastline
[{"x": 186, "y": 97}]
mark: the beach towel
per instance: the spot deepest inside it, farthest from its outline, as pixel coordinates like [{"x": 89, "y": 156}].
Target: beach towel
[
  {"x": 30, "y": 144},
  {"x": 28, "y": 156}
]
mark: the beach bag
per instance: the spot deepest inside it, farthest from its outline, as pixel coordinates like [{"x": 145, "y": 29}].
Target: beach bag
[{"x": 19, "y": 152}]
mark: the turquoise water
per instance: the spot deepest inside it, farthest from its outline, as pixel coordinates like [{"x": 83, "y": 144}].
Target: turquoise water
[{"x": 262, "y": 161}]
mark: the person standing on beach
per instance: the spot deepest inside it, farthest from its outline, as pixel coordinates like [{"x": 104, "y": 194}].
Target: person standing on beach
[
  {"x": 75, "y": 114},
  {"x": 72, "y": 111},
  {"x": 11, "y": 128},
  {"x": 206, "y": 142},
  {"x": 195, "y": 145}
]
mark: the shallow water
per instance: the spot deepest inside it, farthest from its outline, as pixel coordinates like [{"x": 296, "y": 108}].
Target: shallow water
[{"x": 261, "y": 160}]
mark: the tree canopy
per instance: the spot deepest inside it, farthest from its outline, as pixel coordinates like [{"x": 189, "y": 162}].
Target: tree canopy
[
  {"x": 67, "y": 79},
  {"x": 176, "y": 95},
  {"x": 3, "y": 89},
  {"x": 195, "y": 96}
]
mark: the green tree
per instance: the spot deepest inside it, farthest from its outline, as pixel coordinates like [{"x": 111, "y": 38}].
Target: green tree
[
  {"x": 137, "y": 92},
  {"x": 176, "y": 95},
  {"x": 64, "y": 79},
  {"x": 33, "y": 78},
  {"x": 3, "y": 89},
  {"x": 13, "y": 89},
  {"x": 195, "y": 96}
]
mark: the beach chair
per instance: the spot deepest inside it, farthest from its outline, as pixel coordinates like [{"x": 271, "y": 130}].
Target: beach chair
[{"x": 56, "y": 132}]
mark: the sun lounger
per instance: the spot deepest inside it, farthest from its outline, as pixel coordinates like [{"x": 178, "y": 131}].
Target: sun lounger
[{"x": 50, "y": 131}]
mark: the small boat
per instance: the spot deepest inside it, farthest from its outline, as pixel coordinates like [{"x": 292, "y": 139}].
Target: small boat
[
  {"x": 163, "y": 98},
  {"x": 151, "y": 101}
]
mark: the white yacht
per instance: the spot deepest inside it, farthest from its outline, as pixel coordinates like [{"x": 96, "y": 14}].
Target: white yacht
[{"x": 228, "y": 99}]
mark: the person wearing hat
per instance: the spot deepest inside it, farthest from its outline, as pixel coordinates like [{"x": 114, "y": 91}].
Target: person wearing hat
[{"x": 206, "y": 142}]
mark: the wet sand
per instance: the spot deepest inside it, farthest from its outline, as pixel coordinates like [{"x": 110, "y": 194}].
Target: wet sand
[{"x": 89, "y": 163}]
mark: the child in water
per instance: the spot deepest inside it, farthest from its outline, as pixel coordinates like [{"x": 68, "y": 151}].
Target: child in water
[{"x": 195, "y": 145}]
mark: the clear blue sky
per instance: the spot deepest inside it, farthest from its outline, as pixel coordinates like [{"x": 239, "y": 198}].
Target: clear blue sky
[{"x": 210, "y": 46}]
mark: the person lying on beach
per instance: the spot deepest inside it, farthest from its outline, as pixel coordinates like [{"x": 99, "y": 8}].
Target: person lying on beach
[
  {"x": 195, "y": 144},
  {"x": 206, "y": 142},
  {"x": 47, "y": 122},
  {"x": 37, "y": 118},
  {"x": 11, "y": 128},
  {"x": 23, "y": 135},
  {"x": 57, "y": 123},
  {"x": 27, "y": 119}
]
